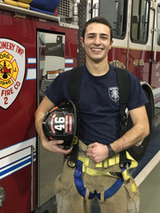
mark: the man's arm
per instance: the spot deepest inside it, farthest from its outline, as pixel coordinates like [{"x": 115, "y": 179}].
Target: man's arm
[
  {"x": 52, "y": 146},
  {"x": 99, "y": 152},
  {"x": 139, "y": 131}
]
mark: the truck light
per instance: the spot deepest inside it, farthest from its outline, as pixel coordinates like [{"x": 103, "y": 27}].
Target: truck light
[{"x": 2, "y": 196}]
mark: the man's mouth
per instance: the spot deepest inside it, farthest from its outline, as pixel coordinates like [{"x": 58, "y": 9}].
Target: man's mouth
[{"x": 96, "y": 49}]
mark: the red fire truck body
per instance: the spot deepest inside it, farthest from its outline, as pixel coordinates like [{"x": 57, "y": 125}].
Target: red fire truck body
[{"x": 18, "y": 100}]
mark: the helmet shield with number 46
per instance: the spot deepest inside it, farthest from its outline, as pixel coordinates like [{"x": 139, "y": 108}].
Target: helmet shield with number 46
[{"x": 60, "y": 123}]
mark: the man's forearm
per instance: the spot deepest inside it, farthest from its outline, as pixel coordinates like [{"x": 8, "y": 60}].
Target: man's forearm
[
  {"x": 38, "y": 124},
  {"x": 131, "y": 137},
  {"x": 44, "y": 106}
]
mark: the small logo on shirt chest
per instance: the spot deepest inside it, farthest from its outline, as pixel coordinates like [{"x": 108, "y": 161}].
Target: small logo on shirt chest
[{"x": 113, "y": 93}]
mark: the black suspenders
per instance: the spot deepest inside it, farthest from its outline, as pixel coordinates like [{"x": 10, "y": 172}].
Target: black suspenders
[{"x": 124, "y": 90}]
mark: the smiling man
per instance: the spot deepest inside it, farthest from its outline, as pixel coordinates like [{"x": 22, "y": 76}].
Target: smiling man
[
  {"x": 97, "y": 41},
  {"x": 97, "y": 172}
]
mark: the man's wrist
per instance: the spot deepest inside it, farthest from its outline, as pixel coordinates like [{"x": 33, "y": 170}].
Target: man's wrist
[{"x": 111, "y": 152}]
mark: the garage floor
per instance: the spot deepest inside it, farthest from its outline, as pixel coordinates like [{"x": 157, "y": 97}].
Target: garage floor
[
  {"x": 150, "y": 192},
  {"x": 148, "y": 177}
]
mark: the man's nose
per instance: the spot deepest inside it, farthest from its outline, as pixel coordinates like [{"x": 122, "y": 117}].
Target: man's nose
[{"x": 97, "y": 40}]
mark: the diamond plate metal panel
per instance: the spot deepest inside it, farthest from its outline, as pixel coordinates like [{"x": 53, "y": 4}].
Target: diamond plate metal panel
[
  {"x": 65, "y": 8},
  {"x": 82, "y": 19}
]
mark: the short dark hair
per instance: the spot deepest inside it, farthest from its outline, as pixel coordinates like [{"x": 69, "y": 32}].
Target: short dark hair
[{"x": 99, "y": 20}]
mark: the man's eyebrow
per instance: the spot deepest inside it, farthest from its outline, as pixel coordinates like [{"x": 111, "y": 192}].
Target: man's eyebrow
[
  {"x": 104, "y": 34},
  {"x": 101, "y": 34},
  {"x": 91, "y": 34}
]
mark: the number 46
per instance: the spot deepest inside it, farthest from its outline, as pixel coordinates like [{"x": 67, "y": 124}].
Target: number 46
[{"x": 60, "y": 121}]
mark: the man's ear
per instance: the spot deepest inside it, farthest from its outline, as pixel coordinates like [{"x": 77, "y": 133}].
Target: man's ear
[
  {"x": 111, "y": 44},
  {"x": 82, "y": 41}
]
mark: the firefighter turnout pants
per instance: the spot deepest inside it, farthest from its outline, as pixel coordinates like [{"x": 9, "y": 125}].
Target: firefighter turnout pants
[{"x": 76, "y": 187}]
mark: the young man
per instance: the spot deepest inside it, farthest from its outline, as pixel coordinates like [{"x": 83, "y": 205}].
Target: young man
[{"x": 99, "y": 125}]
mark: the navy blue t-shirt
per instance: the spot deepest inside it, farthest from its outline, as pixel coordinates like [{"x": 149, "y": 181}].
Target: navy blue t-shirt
[{"x": 98, "y": 103}]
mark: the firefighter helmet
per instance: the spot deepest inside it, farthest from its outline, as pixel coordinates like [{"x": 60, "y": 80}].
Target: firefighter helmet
[{"x": 60, "y": 123}]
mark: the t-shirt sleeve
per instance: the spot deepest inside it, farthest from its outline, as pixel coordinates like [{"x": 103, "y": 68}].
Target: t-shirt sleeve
[
  {"x": 137, "y": 95},
  {"x": 58, "y": 90}
]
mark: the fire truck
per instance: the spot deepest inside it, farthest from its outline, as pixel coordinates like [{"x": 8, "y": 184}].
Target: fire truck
[{"x": 38, "y": 41}]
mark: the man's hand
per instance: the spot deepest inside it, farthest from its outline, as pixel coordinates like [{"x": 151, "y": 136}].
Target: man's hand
[
  {"x": 97, "y": 152},
  {"x": 53, "y": 146}
]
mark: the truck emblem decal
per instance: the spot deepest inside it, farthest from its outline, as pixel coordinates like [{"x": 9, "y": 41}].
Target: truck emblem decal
[
  {"x": 12, "y": 70},
  {"x": 117, "y": 63},
  {"x": 113, "y": 93}
]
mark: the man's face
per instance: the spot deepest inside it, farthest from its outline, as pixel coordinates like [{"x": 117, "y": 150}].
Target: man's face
[{"x": 97, "y": 42}]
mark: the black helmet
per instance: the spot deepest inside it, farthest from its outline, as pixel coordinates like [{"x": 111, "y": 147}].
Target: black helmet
[{"x": 60, "y": 123}]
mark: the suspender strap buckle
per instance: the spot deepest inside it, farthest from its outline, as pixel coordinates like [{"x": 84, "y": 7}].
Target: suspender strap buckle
[{"x": 71, "y": 162}]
